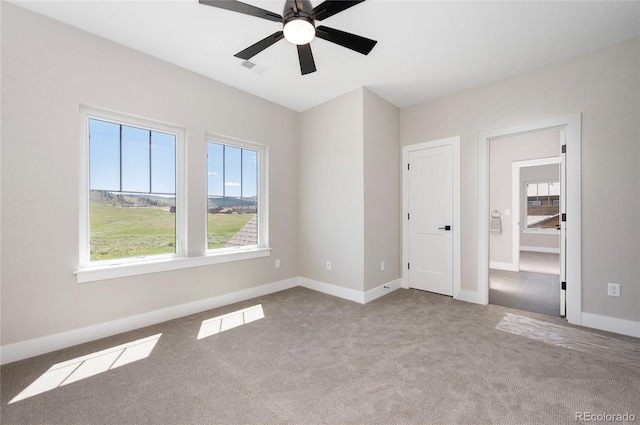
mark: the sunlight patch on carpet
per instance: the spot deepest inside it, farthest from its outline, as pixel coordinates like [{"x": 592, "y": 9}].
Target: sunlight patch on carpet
[
  {"x": 86, "y": 366},
  {"x": 228, "y": 321},
  {"x": 566, "y": 337}
]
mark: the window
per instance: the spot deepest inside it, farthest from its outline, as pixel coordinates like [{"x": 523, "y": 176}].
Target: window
[
  {"x": 232, "y": 196},
  {"x": 542, "y": 207},
  {"x": 132, "y": 184},
  {"x": 133, "y": 199}
]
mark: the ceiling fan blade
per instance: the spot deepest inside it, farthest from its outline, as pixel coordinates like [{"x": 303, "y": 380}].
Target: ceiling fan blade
[
  {"x": 247, "y": 9},
  {"x": 330, "y": 8},
  {"x": 254, "y": 49},
  {"x": 350, "y": 41},
  {"x": 307, "y": 65}
]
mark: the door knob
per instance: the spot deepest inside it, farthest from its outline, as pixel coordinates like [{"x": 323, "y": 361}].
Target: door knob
[{"x": 445, "y": 228}]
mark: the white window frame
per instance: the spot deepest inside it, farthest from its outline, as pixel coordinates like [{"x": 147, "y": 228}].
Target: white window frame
[
  {"x": 263, "y": 197},
  {"x": 97, "y": 270},
  {"x": 186, "y": 256}
]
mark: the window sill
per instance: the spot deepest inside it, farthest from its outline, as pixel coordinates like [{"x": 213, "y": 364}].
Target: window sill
[{"x": 95, "y": 273}]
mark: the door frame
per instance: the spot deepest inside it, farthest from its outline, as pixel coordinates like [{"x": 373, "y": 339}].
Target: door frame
[
  {"x": 517, "y": 203},
  {"x": 572, "y": 125},
  {"x": 454, "y": 142}
]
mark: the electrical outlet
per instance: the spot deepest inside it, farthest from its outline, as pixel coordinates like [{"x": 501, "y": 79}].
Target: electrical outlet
[
  {"x": 277, "y": 263},
  {"x": 328, "y": 265},
  {"x": 613, "y": 289},
  {"x": 381, "y": 266}
]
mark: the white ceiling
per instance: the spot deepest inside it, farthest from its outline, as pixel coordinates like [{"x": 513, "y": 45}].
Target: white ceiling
[{"x": 426, "y": 49}]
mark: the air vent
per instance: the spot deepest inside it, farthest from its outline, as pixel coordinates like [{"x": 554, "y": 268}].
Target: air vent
[{"x": 254, "y": 67}]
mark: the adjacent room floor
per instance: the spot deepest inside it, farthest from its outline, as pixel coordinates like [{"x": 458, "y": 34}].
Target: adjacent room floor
[
  {"x": 538, "y": 293},
  {"x": 535, "y": 288}
]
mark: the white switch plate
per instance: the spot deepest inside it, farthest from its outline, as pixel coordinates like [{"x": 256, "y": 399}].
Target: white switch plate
[
  {"x": 381, "y": 266},
  {"x": 507, "y": 212},
  {"x": 277, "y": 263}
]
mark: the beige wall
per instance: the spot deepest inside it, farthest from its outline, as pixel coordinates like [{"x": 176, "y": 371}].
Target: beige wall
[
  {"x": 331, "y": 185},
  {"x": 604, "y": 86},
  {"x": 502, "y": 153},
  {"x": 350, "y": 191},
  {"x": 48, "y": 71},
  {"x": 382, "y": 188}
]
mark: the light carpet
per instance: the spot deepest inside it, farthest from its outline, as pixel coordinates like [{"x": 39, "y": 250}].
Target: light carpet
[{"x": 408, "y": 358}]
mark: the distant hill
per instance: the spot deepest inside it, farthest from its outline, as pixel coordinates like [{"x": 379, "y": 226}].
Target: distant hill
[
  {"x": 124, "y": 200},
  {"x": 227, "y": 202}
]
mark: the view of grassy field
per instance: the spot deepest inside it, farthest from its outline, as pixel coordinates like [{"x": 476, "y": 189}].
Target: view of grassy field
[
  {"x": 222, "y": 227},
  {"x": 130, "y": 232},
  {"x": 118, "y": 232}
]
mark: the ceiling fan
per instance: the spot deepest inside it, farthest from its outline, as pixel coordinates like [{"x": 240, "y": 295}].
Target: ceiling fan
[{"x": 298, "y": 19}]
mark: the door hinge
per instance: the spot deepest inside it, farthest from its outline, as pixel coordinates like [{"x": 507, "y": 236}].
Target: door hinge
[
  {"x": 408, "y": 166},
  {"x": 408, "y": 216},
  {"x": 564, "y": 286},
  {"x": 408, "y": 266},
  {"x": 564, "y": 148},
  {"x": 564, "y": 217}
]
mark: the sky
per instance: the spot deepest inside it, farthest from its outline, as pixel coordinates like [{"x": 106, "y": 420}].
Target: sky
[
  {"x": 230, "y": 171},
  {"x": 143, "y": 169}
]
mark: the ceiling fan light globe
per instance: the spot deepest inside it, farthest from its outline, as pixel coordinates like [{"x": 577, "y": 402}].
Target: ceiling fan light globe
[{"x": 299, "y": 31}]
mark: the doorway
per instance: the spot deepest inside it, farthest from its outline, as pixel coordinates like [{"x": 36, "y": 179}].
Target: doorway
[
  {"x": 525, "y": 199},
  {"x": 570, "y": 247}
]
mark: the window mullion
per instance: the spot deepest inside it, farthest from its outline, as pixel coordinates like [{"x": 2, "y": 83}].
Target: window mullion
[
  {"x": 150, "y": 188},
  {"x": 241, "y": 173},
  {"x": 120, "y": 148}
]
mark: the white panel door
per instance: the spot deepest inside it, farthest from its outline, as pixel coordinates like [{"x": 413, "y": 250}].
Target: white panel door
[{"x": 430, "y": 208}]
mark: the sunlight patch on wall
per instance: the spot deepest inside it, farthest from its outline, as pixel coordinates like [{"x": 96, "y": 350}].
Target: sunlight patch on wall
[
  {"x": 229, "y": 321},
  {"x": 92, "y": 364}
]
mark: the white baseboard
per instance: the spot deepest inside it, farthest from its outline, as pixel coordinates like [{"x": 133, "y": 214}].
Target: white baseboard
[
  {"x": 611, "y": 324},
  {"x": 540, "y": 249},
  {"x": 381, "y": 290},
  {"x": 22, "y": 350},
  {"x": 503, "y": 266},
  {"x": 350, "y": 294},
  {"x": 335, "y": 290}
]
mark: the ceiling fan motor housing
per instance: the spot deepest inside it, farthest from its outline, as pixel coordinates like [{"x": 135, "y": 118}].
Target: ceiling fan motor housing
[{"x": 297, "y": 9}]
